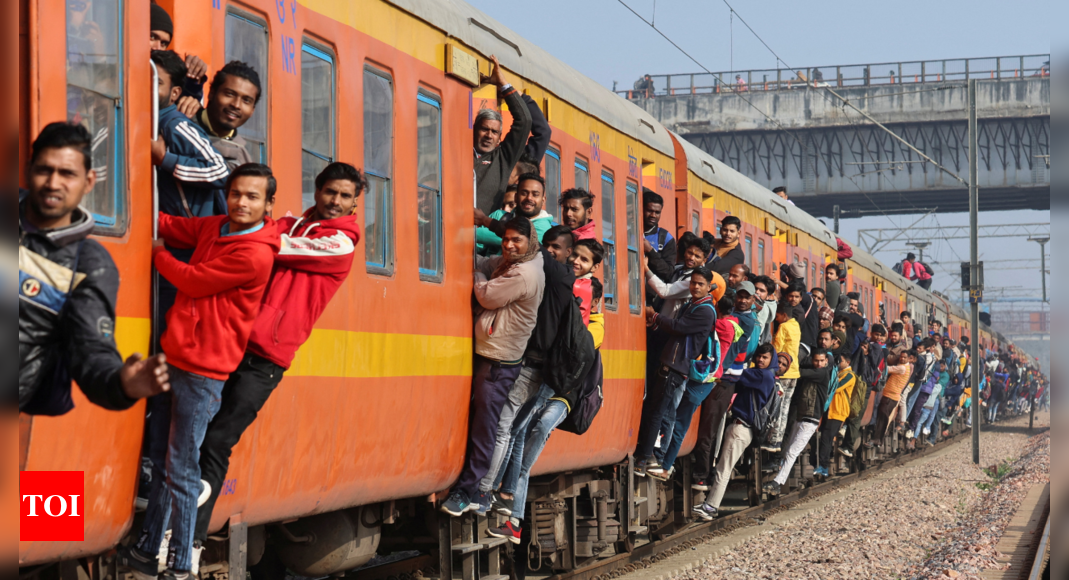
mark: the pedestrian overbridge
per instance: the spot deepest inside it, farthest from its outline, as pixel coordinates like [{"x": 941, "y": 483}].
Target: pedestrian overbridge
[{"x": 786, "y": 127}]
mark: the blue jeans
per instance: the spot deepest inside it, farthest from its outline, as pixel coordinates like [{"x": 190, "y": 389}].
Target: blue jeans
[
  {"x": 916, "y": 392},
  {"x": 929, "y": 415},
  {"x": 540, "y": 426},
  {"x": 173, "y": 502},
  {"x": 695, "y": 394},
  {"x": 875, "y": 405},
  {"x": 669, "y": 423},
  {"x": 660, "y": 406}
]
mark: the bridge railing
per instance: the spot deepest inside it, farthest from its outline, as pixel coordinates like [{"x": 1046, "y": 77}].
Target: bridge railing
[{"x": 855, "y": 75}]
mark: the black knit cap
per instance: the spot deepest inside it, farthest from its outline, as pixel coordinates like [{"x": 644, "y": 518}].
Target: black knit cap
[{"x": 160, "y": 20}]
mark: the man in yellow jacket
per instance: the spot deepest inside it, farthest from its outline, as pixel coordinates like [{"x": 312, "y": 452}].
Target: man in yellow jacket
[
  {"x": 838, "y": 412},
  {"x": 787, "y": 339}
]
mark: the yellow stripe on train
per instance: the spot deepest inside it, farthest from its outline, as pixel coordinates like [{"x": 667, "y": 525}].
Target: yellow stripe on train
[{"x": 340, "y": 353}]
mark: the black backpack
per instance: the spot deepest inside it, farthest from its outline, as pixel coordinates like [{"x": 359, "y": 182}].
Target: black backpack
[
  {"x": 589, "y": 401},
  {"x": 765, "y": 416},
  {"x": 927, "y": 268},
  {"x": 572, "y": 354}
]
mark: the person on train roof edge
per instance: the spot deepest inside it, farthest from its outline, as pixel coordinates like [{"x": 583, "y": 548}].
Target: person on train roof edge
[
  {"x": 219, "y": 293},
  {"x": 161, "y": 33},
  {"x": 508, "y": 291},
  {"x": 658, "y": 244},
  {"x": 558, "y": 245},
  {"x": 577, "y": 212},
  {"x": 68, "y": 286},
  {"x": 232, "y": 99},
  {"x": 530, "y": 200},
  {"x": 314, "y": 262},
  {"x": 496, "y": 156}
]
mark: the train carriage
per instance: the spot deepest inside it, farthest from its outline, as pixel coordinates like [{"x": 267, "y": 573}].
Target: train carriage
[{"x": 369, "y": 427}]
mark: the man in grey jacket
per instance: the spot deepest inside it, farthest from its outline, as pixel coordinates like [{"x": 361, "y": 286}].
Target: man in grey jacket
[
  {"x": 509, "y": 290},
  {"x": 495, "y": 157}
]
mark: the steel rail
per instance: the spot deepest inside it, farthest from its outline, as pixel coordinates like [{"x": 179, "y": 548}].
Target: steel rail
[{"x": 1041, "y": 552}]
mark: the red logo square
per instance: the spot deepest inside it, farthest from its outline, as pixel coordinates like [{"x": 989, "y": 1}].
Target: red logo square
[{"x": 52, "y": 506}]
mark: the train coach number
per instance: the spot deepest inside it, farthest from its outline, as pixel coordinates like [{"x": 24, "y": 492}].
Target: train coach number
[
  {"x": 664, "y": 179},
  {"x": 230, "y": 487}
]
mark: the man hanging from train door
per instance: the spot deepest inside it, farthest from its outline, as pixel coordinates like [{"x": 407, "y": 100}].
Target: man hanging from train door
[
  {"x": 68, "y": 286},
  {"x": 508, "y": 291},
  {"x": 577, "y": 212},
  {"x": 727, "y": 252},
  {"x": 161, "y": 33},
  {"x": 313, "y": 264},
  {"x": 232, "y": 99},
  {"x": 658, "y": 244},
  {"x": 496, "y": 156}
]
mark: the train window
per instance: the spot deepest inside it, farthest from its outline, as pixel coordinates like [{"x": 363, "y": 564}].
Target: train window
[
  {"x": 94, "y": 100},
  {"x": 760, "y": 257},
  {"x": 317, "y": 118},
  {"x": 635, "y": 274},
  {"x": 608, "y": 237},
  {"x": 748, "y": 250},
  {"x": 582, "y": 175},
  {"x": 815, "y": 276},
  {"x": 429, "y": 198},
  {"x": 246, "y": 41},
  {"x": 696, "y": 223},
  {"x": 553, "y": 183},
  {"x": 805, "y": 271},
  {"x": 378, "y": 167}
]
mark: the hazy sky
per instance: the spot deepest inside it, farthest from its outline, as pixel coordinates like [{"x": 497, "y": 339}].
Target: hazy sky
[{"x": 606, "y": 42}]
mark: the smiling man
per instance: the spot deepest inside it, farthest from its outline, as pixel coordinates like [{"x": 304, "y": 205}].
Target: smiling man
[
  {"x": 495, "y": 156},
  {"x": 530, "y": 203},
  {"x": 315, "y": 260},
  {"x": 232, "y": 98}
]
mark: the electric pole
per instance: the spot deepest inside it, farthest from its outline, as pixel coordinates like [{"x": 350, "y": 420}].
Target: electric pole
[
  {"x": 1042, "y": 261},
  {"x": 975, "y": 290}
]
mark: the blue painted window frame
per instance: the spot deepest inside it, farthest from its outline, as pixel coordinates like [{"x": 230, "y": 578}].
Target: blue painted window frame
[
  {"x": 608, "y": 239},
  {"x": 425, "y": 274}
]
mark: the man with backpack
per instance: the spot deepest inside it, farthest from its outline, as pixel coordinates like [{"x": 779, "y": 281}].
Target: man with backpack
[
  {"x": 658, "y": 246},
  {"x": 838, "y": 411},
  {"x": 756, "y": 398},
  {"x": 556, "y": 403},
  {"x": 557, "y": 245},
  {"x": 68, "y": 285},
  {"x": 687, "y": 333}
]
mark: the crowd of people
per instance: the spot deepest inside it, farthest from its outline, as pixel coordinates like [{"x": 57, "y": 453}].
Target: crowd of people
[{"x": 763, "y": 361}]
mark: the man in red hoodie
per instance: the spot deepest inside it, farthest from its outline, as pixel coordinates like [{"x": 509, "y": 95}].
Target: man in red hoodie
[
  {"x": 577, "y": 212},
  {"x": 315, "y": 260},
  {"x": 219, "y": 294}
]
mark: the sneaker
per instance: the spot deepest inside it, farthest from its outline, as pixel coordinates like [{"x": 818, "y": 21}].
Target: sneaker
[
  {"x": 842, "y": 431},
  {"x": 845, "y": 452},
  {"x": 503, "y": 506},
  {"x": 770, "y": 448},
  {"x": 506, "y": 531},
  {"x": 652, "y": 463},
  {"x": 176, "y": 575},
  {"x": 947, "y": 421},
  {"x": 197, "y": 551},
  {"x": 641, "y": 467},
  {"x": 820, "y": 474},
  {"x": 772, "y": 488},
  {"x": 926, "y": 431},
  {"x": 457, "y": 504},
  {"x": 141, "y": 566},
  {"x": 910, "y": 434},
  {"x": 486, "y": 502},
  {"x": 700, "y": 485},
  {"x": 705, "y": 512},
  {"x": 141, "y": 503},
  {"x": 205, "y": 493},
  {"x": 660, "y": 474}
]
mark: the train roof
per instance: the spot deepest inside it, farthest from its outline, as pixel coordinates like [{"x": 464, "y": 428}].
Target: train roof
[
  {"x": 715, "y": 172},
  {"x": 474, "y": 28}
]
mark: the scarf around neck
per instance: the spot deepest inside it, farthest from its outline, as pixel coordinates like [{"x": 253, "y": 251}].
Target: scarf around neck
[
  {"x": 532, "y": 251},
  {"x": 723, "y": 248}
]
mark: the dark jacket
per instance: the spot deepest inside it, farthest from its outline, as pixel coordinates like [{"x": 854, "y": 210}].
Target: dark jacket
[
  {"x": 753, "y": 389},
  {"x": 87, "y": 330},
  {"x": 492, "y": 169},
  {"x": 810, "y": 322},
  {"x": 555, "y": 299},
  {"x": 192, "y": 164},
  {"x": 724, "y": 265},
  {"x": 812, "y": 392},
  {"x": 541, "y": 133},
  {"x": 687, "y": 333},
  {"x": 663, "y": 257}
]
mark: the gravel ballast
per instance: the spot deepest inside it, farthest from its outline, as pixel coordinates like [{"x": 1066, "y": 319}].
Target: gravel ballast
[{"x": 927, "y": 520}]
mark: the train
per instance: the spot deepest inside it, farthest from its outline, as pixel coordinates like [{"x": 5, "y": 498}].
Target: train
[{"x": 352, "y": 453}]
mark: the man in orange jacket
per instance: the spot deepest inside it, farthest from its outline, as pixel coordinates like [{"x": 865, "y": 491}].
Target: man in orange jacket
[{"x": 219, "y": 294}]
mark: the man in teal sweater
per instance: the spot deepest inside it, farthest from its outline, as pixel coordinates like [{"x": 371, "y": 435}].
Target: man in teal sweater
[{"x": 530, "y": 201}]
